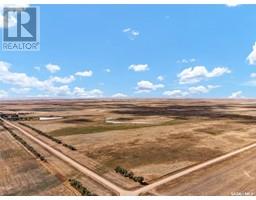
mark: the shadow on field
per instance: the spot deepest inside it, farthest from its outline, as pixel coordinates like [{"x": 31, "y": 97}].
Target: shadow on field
[{"x": 208, "y": 111}]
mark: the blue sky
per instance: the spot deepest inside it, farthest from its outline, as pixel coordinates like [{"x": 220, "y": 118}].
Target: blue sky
[{"x": 172, "y": 51}]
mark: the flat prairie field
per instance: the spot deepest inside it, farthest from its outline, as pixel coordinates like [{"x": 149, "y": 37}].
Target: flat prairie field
[
  {"x": 153, "y": 137},
  {"x": 22, "y": 174}
]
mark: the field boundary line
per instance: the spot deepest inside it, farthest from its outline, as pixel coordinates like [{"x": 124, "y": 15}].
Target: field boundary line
[
  {"x": 193, "y": 169},
  {"x": 72, "y": 162},
  {"x": 118, "y": 189}
]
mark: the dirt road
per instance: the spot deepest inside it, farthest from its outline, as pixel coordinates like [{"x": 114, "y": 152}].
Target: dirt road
[
  {"x": 144, "y": 189},
  {"x": 72, "y": 162},
  {"x": 235, "y": 176},
  {"x": 193, "y": 169}
]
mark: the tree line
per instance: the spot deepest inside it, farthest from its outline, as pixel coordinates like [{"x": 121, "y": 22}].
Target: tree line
[
  {"x": 70, "y": 147},
  {"x": 129, "y": 174},
  {"x": 49, "y": 136},
  {"x": 24, "y": 143},
  {"x": 80, "y": 188}
]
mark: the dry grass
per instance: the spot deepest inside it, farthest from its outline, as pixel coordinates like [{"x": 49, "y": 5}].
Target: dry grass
[
  {"x": 22, "y": 174},
  {"x": 103, "y": 127},
  {"x": 234, "y": 176},
  {"x": 184, "y": 132}
]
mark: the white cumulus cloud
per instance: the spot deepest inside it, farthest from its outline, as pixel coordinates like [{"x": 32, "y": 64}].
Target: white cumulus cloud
[
  {"x": 60, "y": 91},
  {"x": 160, "y": 78},
  {"x": 51, "y": 87},
  {"x": 232, "y": 3},
  {"x": 52, "y": 68},
  {"x": 201, "y": 89},
  {"x": 190, "y": 91},
  {"x": 108, "y": 70},
  {"x": 147, "y": 86},
  {"x": 19, "y": 79},
  {"x": 63, "y": 80},
  {"x": 126, "y": 30},
  {"x": 46, "y": 87},
  {"x": 253, "y": 75},
  {"x": 196, "y": 74},
  {"x": 119, "y": 95},
  {"x": 175, "y": 93},
  {"x": 252, "y": 56},
  {"x": 86, "y": 73},
  {"x": 186, "y": 61},
  {"x": 81, "y": 92},
  {"x": 236, "y": 95},
  {"x": 132, "y": 33},
  {"x": 139, "y": 67}
]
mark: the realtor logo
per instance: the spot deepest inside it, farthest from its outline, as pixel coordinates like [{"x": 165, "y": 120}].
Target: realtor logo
[{"x": 21, "y": 29}]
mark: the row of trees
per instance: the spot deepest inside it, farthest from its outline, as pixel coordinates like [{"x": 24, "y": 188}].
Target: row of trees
[
  {"x": 79, "y": 187},
  {"x": 129, "y": 174},
  {"x": 23, "y": 118},
  {"x": 42, "y": 133},
  {"x": 70, "y": 147},
  {"x": 49, "y": 136},
  {"x": 24, "y": 143}
]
